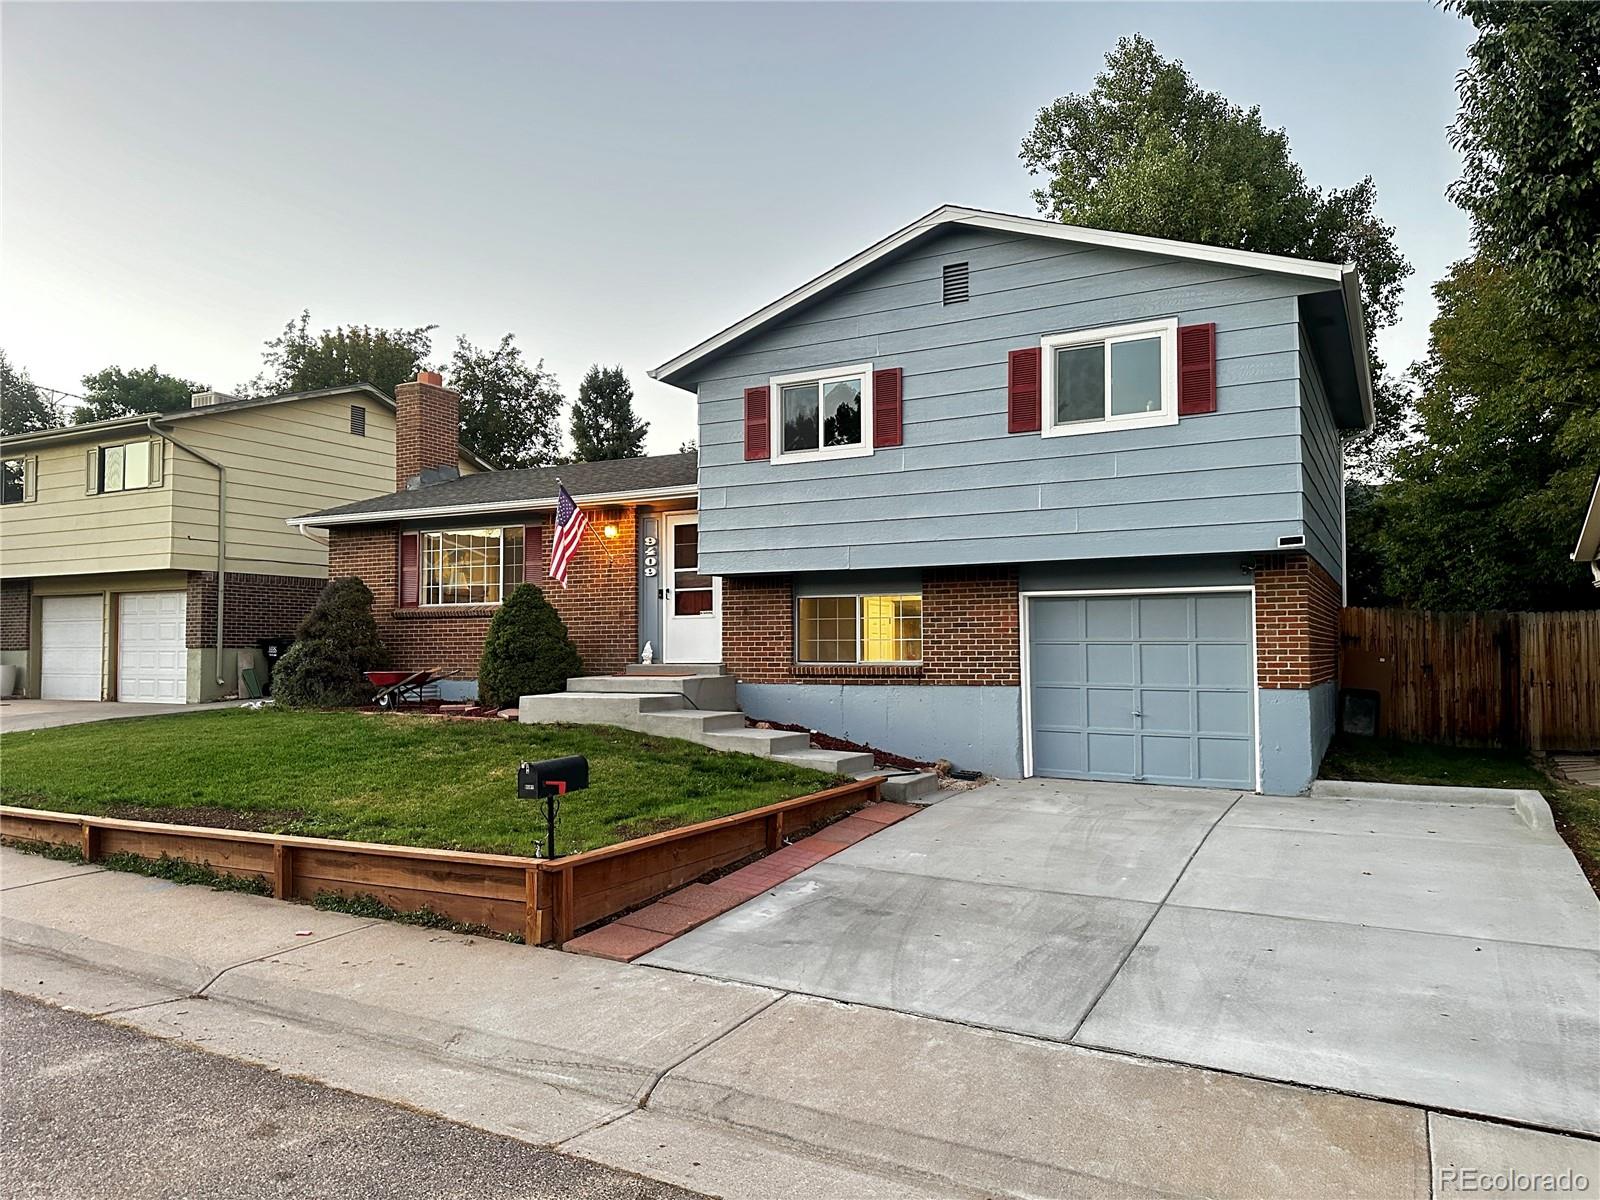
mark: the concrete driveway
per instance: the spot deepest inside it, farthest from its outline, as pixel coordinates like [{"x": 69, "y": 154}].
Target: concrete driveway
[
  {"x": 17, "y": 716},
  {"x": 1441, "y": 953}
]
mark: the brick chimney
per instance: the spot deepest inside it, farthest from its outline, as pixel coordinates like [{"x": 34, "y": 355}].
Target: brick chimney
[{"x": 427, "y": 432}]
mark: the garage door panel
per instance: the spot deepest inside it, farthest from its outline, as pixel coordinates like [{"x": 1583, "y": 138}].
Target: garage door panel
[
  {"x": 1223, "y": 712},
  {"x": 1112, "y": 755},
  {"x": 1164, "y": 617},
  {"x": 1057, "y": 663},
  {"x": 152, "y": 653},
  {"x": 1109, "y": 617},
  {"x": 1169, "y": 712},
  {"x": 1166, "y": 664},
  {"x": 72, "y": 638},
  {"x": 1059, "y": 708},
  {"x": 1222, "y": 665},
  {"x": 1160, "y": 689},
  {"x": 1109, "y": 662}
]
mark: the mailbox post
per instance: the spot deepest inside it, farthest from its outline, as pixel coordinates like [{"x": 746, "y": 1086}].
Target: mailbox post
[{"x": 550, "y": 780}]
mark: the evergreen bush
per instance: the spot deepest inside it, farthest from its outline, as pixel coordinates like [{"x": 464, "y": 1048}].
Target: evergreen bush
[
  {"x": 527, "y": 652},
  {"x": 336, "y": 642}
]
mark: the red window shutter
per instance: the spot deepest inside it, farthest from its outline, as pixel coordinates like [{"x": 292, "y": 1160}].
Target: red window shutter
[
  {"x": 410, "y": 582},
  {"x": 757, "y": 423},
  {"x": 888, "y": 427},
  {"x": 1197, "y": 369},
  {"x": 533, "y": 554},
  {"x": 1023, "y": 399}
]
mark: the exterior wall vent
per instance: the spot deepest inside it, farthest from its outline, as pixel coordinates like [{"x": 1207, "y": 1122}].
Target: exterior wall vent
[
  {"x": 1291, "y": 541},
  {"x": 358, "y": 420},
  {"x": 955, "y": 283}
]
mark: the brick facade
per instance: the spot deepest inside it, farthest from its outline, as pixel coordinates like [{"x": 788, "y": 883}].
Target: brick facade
[
  {"x": 1297, "y": 622},
  {"x": 427, "y": 423},
  {"x": 970, "y": 633},
  {"x": 254, "y": 607},
  {"x": 600, "y": 605},
  {"x": 16, "y": 600}
]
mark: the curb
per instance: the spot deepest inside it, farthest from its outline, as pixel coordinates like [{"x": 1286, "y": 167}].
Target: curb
[{"x": 1530, "y": 806}]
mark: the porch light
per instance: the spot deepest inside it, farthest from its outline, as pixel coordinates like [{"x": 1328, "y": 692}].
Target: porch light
[{"x": 610, "y": 531}]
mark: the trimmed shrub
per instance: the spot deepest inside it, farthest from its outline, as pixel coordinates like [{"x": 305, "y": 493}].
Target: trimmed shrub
[
  {"x": 336, "y": 642},
  {"x": 527, "y": 651}
]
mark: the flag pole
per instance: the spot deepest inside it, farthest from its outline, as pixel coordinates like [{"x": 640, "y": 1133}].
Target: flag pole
[{"x": 607, "y": 549}]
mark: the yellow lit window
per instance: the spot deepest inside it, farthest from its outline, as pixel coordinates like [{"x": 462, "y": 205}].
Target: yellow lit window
[{"x": 859, "y": 629}]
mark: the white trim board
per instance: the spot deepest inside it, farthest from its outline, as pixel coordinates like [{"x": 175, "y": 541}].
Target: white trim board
[
  {"x": 1027, "y": 664},
  {"x": 393, "y": 515},
  {"x": 1345, "y": 275}
]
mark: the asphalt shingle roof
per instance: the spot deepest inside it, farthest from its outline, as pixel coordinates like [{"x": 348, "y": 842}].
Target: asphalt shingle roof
[{"x": 533, "y": 485}]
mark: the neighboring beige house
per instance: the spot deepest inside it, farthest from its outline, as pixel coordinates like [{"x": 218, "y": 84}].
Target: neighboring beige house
[{"x": 110, "y": 548}]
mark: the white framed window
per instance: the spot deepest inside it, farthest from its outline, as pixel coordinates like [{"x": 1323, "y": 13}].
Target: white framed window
[
  {"x": 1121, "y": 377},
  {"x": 847, "y": 630},
  {"x": 822, "y": 414},
  {"x": 471, "y": 566},
  {"x": 124, "y": 468},
  {"x": 15, "y": 481}
]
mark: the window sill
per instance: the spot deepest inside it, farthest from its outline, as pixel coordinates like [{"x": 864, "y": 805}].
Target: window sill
[
  {"x": 1078, "y": 428},
  {"x": 858, "y": 670},
  {"x": 422, "y": 612}
]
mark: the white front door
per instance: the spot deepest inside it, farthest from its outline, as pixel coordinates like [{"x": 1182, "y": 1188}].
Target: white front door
[
  {"x": 71, "y": 640},
  {"x": 152, "y": 654},
  {"x": 692, "y": 627}
]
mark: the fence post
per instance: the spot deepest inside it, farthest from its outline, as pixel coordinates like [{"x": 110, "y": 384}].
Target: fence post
[
  {"x": 282, "y": 871},
  {"x": 774, "y": 832},
  {"x": 89, "y": 845},
  {"x": 531, "y": 931}
]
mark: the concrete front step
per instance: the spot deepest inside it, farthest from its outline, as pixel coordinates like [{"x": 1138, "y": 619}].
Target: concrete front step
[
  {"x": 840, "y": 762},
  {"x": 765, "y": 742},
  {"x": 702, "y": 691},
  {"x": 595, "y": 708},
  {"x": 905, "y": 788},
  {"x": 674, "y": 669},
  {"x": 689, "y": 723}
]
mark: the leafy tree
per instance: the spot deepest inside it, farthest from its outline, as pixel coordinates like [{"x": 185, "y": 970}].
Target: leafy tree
[
  {"x": 510, "y": 412},
  {"x": 527, "y": 651},
  {"x": 114, "y": 392},
  {"x": 1147, "y": 151},
  {"x": 298, "y": 360},
  {"x": 603, "y": 423},
  {"x": 23, "y": 407},
  {"x": 334, "y": 645},
  {"x": 692, "y": 446},
  {"x": 1529, "y": 136},
  {"x": 1488, "y": 498}
]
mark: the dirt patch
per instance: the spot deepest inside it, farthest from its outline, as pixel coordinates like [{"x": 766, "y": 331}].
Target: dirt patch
[
  {"x": 639, "y": 829},
  {"x": 210, "y": 816}
]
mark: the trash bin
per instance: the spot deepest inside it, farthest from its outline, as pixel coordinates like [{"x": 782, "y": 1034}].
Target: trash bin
[{"x": 272, "y": 649}]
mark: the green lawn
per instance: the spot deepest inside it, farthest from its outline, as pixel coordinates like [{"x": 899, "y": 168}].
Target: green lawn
[
  {"x": 1576, "y": 809},
  {"x": 405, "y": 780}
]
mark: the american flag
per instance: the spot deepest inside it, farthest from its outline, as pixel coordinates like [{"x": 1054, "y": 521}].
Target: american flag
[{"x": 571, "y": 521}]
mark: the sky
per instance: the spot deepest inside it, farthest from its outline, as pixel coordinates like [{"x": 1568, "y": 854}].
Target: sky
[{"x": 610, "y": 182}]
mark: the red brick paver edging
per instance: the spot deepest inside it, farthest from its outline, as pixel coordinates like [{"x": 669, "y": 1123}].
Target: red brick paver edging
[{"x": 653, "y": 926}]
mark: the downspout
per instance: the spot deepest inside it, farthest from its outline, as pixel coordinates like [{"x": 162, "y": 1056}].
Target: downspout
[{"x": 222, "y": 529}]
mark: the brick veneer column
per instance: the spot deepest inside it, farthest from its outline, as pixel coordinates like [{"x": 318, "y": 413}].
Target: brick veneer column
[
  {"x": 1297, "y": 622},
  {"x": 969, "y": 633},
  {"x": 16, "y": 600},
  {"x": 600, "y": 605}
]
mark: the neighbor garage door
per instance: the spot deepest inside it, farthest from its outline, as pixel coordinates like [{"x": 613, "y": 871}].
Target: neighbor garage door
[
  {"x": 71, "y": 636},
  {"x": 152, "y": 658},
  {"x": 1153, "y": 688}
]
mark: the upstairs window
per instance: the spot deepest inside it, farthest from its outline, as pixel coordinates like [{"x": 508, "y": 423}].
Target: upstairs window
[
  {"x": 1115, "y": 378},
  {"x": 122, "y": 468},
  {"x": 823, "y": 414},
  {"x": 471, "y": 566},
  {"x": 13, "y": 487},
  {"x": 847, "y": 630}
]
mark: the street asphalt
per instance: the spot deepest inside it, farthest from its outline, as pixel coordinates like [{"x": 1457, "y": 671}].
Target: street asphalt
[{"x": 96, "y": 1110}]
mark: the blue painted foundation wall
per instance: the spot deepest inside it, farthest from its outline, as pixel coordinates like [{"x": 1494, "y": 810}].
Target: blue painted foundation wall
[
  {"x": 1296, "y": 727},
  {"x": 975, "y": 727}
]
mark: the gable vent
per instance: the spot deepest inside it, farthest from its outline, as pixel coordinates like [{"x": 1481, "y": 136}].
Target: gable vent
[
  {"x": 955, "y": 283},
  {"x": 358, "y": 420}
]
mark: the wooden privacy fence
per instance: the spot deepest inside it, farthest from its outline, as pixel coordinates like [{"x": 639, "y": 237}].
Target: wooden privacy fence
[
  {"x": 543, "y": 900},
  {"x": 1519, "y": 679}
]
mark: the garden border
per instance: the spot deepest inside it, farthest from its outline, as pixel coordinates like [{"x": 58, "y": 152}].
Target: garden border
[{"x": 545, "y": 900}]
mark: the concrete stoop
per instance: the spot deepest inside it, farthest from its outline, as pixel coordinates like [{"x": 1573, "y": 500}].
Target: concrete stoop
[{"x": 701, "y": 705}]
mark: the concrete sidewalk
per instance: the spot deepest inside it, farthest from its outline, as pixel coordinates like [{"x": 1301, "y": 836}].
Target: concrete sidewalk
[
  {"x": 21, "y": 716},
  {"x": 722, "y": 1088}
]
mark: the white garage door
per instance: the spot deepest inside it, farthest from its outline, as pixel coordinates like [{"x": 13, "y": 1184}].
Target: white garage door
[
  {"x": 1147, "y": 688},
  {"x": 71, "y": 637},
  {"x": 152, "y": 659}
]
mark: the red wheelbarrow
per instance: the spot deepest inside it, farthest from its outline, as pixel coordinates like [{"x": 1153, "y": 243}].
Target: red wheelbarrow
[{"x": 399, "y": 687}]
